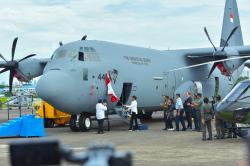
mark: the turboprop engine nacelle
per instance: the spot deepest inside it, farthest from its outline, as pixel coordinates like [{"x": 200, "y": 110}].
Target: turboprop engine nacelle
[
  {"x": 228, "y": 67},
  {"x": 28, "y": 69}
]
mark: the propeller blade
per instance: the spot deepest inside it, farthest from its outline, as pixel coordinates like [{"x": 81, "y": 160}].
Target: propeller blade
[
  {"x": 212, "y": 69},
  {"x": 26, "y": 57},
  {"x": 206, "y": 32},
  {"x": 11, "y": 77},
  {"x": 1, "y": 56},
  {"x": 13, "y": 48},
  {"x": 4, "y": 70},
  {"x": 229, "y": 37}
]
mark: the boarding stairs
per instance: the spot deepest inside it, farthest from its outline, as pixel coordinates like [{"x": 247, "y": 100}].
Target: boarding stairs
[{"x": 124, "y": 114}]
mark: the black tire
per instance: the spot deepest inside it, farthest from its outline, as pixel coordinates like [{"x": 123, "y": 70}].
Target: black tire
[
  {"x": 51, "y": 123},
  {"x": 48, "y": 123},
  {"x": 72, "y": 123},
  {"x": 85, "y": 123}
]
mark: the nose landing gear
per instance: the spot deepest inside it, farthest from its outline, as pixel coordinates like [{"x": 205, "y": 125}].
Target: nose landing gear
[
  {"x": 73, "y": 124},
  {"x": 85, "y": 122}
]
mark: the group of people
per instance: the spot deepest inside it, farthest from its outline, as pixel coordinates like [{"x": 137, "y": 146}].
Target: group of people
[{"x": 195, "y": 109}]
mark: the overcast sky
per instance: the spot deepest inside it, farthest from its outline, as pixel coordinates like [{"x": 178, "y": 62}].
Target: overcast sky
[{"x": 159, "y": 24}]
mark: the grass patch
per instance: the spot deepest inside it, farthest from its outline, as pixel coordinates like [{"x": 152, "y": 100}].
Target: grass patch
[{"x": 3, "y": 100}]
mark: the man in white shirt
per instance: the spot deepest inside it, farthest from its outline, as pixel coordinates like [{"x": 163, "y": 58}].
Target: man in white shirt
[
  {"x": 133, "y": 108},
  {"x": 101, "y": 107},
  {"x": 179, "y": 115}
]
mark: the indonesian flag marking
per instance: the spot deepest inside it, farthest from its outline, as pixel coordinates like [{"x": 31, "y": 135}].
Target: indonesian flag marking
[
  {"x": 231, "y": 17},
  {"x": 111, "y": 92}
]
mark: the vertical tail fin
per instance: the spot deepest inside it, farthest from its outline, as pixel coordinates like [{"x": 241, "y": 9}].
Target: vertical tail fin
[{"x": 231, "y": 20}]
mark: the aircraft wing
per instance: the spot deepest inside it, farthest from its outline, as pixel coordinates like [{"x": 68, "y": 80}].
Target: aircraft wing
[
  {"x": 200, "y": 55},
  {"x": 44, "y": 61},
  {"x": 26, "y": 69},
  {"x": 207, "y": 54},
  {"x": 2, "y": 64}
]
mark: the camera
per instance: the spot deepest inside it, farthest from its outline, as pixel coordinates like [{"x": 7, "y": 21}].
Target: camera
[{"x": 51, "y": 152}]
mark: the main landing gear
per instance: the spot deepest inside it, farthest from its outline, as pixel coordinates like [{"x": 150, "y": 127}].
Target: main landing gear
[{"x": 82, "y": 122}]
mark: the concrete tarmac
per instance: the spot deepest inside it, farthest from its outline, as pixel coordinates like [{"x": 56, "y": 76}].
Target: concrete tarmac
[{"x": 151, "y": 147}]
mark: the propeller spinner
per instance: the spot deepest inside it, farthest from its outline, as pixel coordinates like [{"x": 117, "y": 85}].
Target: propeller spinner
[{"x": 12, "y": 65}]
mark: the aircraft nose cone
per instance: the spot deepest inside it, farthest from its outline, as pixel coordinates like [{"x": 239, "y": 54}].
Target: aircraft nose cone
[{"x": 55, "y": 87}]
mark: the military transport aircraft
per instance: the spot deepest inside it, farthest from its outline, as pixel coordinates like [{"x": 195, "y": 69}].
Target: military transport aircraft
[{"x": 73, "y": 79}]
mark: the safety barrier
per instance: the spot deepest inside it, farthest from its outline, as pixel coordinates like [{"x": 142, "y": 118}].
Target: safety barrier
[{"x": 25, "y": 126}]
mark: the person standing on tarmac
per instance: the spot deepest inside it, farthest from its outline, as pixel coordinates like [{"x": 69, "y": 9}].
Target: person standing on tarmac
[
  {"x": 206, "y": 118},
  {"x": 188, "y": 109},
  {"x": 179, "y": 114},
  {"x": 164, "y": 106},
  {"x": 197, "y": 105},
  {"x": 170, "y": 114},
  {"x": 133, "y": 108},
  {"x": 219, "y": 123},
  {"x": 101, "y": 107}
]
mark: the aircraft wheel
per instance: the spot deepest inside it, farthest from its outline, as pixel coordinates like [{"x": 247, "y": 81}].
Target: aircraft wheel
[
  {"x": 85, "y": 122},
  {"x": 72, "y": 123},
  {"x": 48, "y": 123}
]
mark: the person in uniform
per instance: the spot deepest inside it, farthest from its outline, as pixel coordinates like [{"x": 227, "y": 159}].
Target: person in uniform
[
  {"x": 179, "y": 114},
  {"x": 219, "y": 123},
  {"x": 133, "y": 108},
  {"x": 206, "y": 118},
  {"x": 170, "y": 114},
  {"x": 101, "y": 107},
  {"x": 188, "y": 109},
  {"x": 164, "y": 106},
  {"x": 197, "y": 105}
]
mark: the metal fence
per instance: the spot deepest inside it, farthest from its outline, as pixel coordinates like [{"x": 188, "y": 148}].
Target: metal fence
[{"x": 10, "y": 112}]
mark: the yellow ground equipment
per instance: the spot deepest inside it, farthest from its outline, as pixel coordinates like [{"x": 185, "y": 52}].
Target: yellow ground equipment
[{"x": 52, "y": 116}]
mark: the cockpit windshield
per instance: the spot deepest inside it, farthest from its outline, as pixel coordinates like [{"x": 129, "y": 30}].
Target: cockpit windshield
[
  {"x": 237, "y": 92},
  {"x": 61, "y": 53},
  {"x": 81, "y": 54}
]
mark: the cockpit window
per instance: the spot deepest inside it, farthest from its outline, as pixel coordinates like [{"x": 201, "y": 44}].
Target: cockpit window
[
  {"x": 237, "y": 92},
  {"x": 59, "y": 54},
  {"x": 86, "y": 49},
  {"x": 82, "y": 54}
]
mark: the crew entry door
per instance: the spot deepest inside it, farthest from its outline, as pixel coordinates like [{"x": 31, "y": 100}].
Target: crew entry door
[{"x": 126, "y": 92}]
